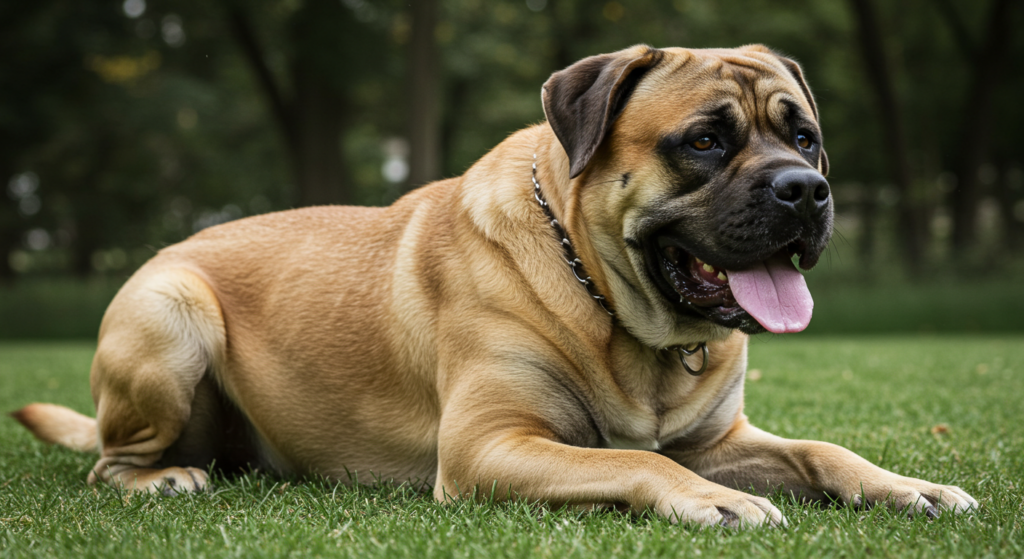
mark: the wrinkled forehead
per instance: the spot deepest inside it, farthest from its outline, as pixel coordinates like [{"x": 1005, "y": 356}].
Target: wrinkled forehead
[{"x": 750, "y": 85}]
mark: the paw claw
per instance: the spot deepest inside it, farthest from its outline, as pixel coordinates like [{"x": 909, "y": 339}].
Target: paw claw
[{"x": 729, "y": 518}]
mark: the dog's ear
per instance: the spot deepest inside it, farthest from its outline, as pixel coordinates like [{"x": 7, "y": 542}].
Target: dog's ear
[
  {"x": 582, "y": 101},
  {"x": 798, "y": 75}
]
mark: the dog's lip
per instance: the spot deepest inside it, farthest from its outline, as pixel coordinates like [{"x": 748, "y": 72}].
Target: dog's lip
[{"x": 695, "y": 282}]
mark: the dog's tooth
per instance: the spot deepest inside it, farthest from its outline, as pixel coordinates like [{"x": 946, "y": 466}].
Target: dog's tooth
[
  {"x": 722, "y": 276},
  {"x": 699, "y": 261},
  {"x": 709, "y": 268}
]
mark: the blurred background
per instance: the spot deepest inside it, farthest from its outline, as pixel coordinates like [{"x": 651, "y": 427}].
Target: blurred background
[{"x": 128, "y": 125}]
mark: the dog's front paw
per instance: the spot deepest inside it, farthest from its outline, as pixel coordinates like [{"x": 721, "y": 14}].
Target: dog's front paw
[
  {"x": 714, "y": 505},
  {"x": 915, "y": 496}
]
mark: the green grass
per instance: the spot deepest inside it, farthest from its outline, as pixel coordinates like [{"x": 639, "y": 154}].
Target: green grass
[{"x": 880, "y": 396}]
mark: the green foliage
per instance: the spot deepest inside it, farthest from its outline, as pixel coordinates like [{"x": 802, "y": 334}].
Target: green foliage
[
  {"x": 135, "y": 142},
  {"x": 139, "y": 138},
  {"x": 885, "y": 398},
  {"x": 55, "y": 308}
]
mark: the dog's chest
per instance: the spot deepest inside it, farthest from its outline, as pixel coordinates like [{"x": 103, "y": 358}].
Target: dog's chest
[
  {"x": 655, "y": 432},
  {"x": 636, "y": 427},
  {"x": 687, "y": 412},
  {"x": 621, "y": 442}
]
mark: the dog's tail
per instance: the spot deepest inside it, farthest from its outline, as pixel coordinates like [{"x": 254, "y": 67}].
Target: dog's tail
[{"x": 60, "y": 425}]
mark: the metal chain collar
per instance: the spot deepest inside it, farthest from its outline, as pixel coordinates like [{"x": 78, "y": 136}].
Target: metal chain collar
[
  {"x": 570, "y": 257},
  {"x": 576, "y": 265}
]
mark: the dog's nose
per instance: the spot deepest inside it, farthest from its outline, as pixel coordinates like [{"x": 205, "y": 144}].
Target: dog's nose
[{"x": 802, "y": 191}]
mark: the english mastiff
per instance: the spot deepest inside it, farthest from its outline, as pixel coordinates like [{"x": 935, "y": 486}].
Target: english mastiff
[{"x": 566, "y": 323}]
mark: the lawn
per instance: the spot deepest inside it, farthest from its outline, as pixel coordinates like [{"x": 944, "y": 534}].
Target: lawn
[{"x": 944, "y": 408}]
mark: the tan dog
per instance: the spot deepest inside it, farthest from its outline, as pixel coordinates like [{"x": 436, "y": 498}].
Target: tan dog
[{"x": 445, "y": 339}]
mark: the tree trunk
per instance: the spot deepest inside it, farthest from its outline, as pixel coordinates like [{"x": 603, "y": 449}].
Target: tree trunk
[
  {"x": 88, "y": 203},
  {"x": 310, "y": 122},
  {"x": 9, "y": 237},
  {"x": 456, "y": 99},
  {"x": 571, "y": 25},
  {"x": 318, "y": 123},
  {"x": 1012, "y": 229},
  {"x": 9, "y": 231},
  {"x": 910, "y": 230},
  {"x": 86, "y": 241},
  {"x": 425, "y": 108},
  {"x": 987, "y": 65},
  {"x": 868, "y": 206}
]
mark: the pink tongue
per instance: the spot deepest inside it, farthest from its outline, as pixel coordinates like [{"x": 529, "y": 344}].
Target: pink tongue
[{"x": 775, "y": 294}]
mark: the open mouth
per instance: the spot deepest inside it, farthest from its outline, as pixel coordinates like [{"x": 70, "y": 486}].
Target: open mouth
[{"x": 767, "y": 295}]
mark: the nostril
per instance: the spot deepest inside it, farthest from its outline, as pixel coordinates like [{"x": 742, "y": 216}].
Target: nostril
[
  {"x": 788, "y": 192},
  {"x": 821, "y": 192}
]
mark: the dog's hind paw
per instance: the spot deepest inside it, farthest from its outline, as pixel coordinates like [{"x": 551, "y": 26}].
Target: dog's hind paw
[
  {"x": 165, "y": 481},
  {"x": 176, "y": 481}
]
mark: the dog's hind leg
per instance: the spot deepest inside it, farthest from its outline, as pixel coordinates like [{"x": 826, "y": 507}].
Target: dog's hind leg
[{"x": 160, "y": 337}]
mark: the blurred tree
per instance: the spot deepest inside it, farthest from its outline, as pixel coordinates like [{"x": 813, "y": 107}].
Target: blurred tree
[
  {"x": 132, "y": 138},
  {"x": 329, "y": 50},
  {"x": 986, "y": 59},
  {"x": 911, "y": 227},
  {"x": 424, "y": 96},
  {"x": 138, "y": 122},
  {"x": 41, "y": 79}
]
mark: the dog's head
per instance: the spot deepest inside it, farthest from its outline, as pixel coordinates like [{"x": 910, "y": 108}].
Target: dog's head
[{"x": 698, "y": 175}]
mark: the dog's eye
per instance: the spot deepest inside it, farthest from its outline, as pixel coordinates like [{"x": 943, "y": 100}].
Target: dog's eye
[
  {"x": 704, "y": 143},
  {"x": 803, "y": 140}
]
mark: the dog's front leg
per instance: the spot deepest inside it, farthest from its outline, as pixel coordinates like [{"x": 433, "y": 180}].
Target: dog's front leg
[
  {"x": 493, "y": 445},
  {"x": 749, "y": 458}
]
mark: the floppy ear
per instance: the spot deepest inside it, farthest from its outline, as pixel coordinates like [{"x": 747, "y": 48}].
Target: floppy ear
[
  {"x": 583, "y": 101},
  {"x": 798, "y": 74}
]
